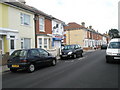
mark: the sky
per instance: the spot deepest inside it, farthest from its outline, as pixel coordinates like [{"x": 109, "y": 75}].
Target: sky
[{"x": 102, "y": 15}]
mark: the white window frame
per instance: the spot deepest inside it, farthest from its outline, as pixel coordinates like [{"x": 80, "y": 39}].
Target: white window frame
[
  {"x": 42, "y": 24},
  {"x": 22, "y": 18}
]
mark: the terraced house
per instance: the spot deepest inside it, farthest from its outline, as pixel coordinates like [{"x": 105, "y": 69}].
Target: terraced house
[
  {"x": 17, "y": 28},
  {"x": 87, "y": 37}
]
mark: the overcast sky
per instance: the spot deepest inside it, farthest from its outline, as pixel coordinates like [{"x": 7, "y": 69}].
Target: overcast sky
[{"x": 101, "y": 14}]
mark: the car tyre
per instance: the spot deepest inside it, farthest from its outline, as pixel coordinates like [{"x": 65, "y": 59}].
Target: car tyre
[
  {"x": 74, "y": 56},
  {"x": 13, "y": 70},
  {"x": 31, "y": 68},
  {"x": 81, "y": 55},
  {"x": 107, "y": 61},
  {"x": 53, "y": 62}
]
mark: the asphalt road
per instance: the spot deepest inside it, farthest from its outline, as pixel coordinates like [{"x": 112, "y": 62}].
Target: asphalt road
[{"x": 90, "y": 71}]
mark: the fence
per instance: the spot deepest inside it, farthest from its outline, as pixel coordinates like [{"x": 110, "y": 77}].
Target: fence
[{"x": 4, "y": 58}]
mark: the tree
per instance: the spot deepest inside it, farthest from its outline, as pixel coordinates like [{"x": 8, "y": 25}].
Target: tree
[{"x": 113, "y": 33}]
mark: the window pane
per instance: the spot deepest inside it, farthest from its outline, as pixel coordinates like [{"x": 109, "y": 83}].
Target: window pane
[
  {"x": 27, "y": 43},
  {"x": 22, "y": 19},
  {"x": 41, "y": 27},
  {"x": 43, "y": 53},
  {"x": 21, "y": 45},
  {"x": 40, "y": 42},
  {"x": 45, "y": 43},
  {"x": 12, "y": 44},
  {"x": 41, "y": 24},
  {"x": 34, "y": 53},
  {"x": 26, "y": 19}
]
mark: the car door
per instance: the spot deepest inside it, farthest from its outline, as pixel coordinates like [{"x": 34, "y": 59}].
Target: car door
[
  {"x": 34, "y": 57},
  {"x": 46, "y": 57},
  {"x": 80, "y": 50}
]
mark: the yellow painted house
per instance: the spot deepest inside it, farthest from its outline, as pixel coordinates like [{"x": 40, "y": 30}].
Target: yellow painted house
[
  {"x": 17, "y": 29},
  {"x": 75, "y": 34}
]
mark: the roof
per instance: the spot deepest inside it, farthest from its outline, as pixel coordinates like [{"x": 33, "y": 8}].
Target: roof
[
  {"x": 74, "y": 26},
  {"x": 27, "y": 7}
]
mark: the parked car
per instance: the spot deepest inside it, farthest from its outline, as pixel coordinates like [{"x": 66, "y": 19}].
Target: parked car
[
  {"x": 113, "y": 50},
  {"x": 72, "y": 51},
  {"x": 104, "y": 46},
  {"x": 29, "y": 59}
]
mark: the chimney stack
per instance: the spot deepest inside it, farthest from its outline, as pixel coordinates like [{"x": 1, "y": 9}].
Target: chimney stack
[
  {"x": 90, "y": 27},
  {"x": 83, "y": 24}
]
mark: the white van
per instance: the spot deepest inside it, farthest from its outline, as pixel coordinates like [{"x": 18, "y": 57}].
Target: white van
[{"x": 113, "y": 50}]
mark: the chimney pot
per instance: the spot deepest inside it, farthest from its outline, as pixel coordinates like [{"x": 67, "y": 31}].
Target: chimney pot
[
  {"x": 90, "y": 27},
  {"x": 83, "y": 24}
]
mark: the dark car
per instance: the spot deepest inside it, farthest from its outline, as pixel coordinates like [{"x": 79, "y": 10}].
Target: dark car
[
  {"x": 72, "y": 51},
  {"x": 30, "y": 59},
  {"x": 104, "y": 46}
]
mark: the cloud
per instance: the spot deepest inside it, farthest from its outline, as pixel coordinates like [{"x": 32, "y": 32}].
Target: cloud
[{"x": 101, "y": 14}]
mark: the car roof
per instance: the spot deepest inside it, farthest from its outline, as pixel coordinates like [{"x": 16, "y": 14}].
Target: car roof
[
  {"x": 29, "y": 49},
  {"x": 115, "y": 40}
]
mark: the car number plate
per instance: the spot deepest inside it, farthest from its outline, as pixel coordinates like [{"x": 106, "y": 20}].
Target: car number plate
[
  {"x": 116, "y": 57},
  {"x": 15, "y": 65},
  {"x": 64, "y": 55}
]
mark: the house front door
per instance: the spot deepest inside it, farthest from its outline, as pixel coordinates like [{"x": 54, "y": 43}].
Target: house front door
[{"x": 12, "y": 44}]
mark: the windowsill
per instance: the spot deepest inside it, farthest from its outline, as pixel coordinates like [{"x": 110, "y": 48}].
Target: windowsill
[
  {"x": 26, "y": 25},
  {"x": 41, "y": 31}
]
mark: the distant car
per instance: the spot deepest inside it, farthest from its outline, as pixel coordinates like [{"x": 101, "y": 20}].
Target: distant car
[
  {"x": 72, "y": 51},
  {"x": 104, "y": 46},
  {"x": 29, "y": 59},
  {"x": 113, "y": 50}
]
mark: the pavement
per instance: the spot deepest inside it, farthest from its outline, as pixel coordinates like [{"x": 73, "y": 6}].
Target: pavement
[{"x": 4, "y": 68}]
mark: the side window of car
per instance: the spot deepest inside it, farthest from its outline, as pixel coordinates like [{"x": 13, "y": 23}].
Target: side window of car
[
  {"x": 43, "y": 53},
  {"x": 79, "y": 46},
  {"x": 76, "y": 47},
  {"x": 33, "y": 53}
]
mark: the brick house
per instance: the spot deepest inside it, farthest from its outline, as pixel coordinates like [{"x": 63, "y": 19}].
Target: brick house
[{"x": 43, "y": 30}]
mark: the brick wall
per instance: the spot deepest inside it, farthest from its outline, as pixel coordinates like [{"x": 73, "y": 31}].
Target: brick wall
[{"x": 48, "y": 26}]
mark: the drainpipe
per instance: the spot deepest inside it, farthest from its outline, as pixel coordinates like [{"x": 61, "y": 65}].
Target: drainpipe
[{"x": 35, "y": 19}]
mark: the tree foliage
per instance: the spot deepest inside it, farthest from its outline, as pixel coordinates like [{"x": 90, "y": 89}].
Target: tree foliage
[{"x": 113, "y": 33}]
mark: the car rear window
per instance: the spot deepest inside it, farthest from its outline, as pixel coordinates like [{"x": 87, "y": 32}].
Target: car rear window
[
  {"x": 19, "y": 53},
  {"x": 114, "y": 45},
  {"x": 68, "y": 47}
]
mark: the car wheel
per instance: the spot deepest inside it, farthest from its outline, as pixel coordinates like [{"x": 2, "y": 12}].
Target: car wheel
[
  {"x": 74, "y": 56},
  {"x": 13, "y": 70},
  {"x": 81, "y": 55},
  {"x": 53, "y": 62},
  {"x": 107, "y": 61},
  {"x": 31, "y": 68}
]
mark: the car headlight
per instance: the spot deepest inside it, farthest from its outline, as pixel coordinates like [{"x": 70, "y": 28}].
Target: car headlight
[
  {"x": 109, "y": 53},
  {"x": 69, "y": 53}
]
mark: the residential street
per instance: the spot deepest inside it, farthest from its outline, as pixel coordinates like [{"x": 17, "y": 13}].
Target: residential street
[{"x": 90, "y": 71}]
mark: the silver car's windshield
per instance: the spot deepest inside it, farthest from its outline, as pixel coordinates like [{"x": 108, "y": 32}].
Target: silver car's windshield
[{"x": 114, "y": 45}]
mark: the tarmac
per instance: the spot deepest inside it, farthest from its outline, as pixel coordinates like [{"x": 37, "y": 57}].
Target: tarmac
[{"x": 4, "y": 68}]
